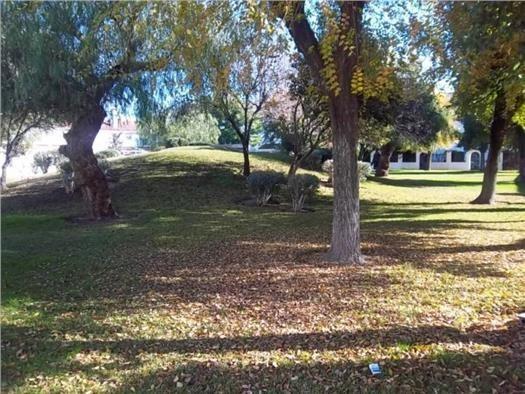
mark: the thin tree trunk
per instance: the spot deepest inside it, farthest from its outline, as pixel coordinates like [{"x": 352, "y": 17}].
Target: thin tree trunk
[
  {"x": 384, "y": 159},
  {"x": 345, "y": 245},
  {"x": 497, "y": 135},
  {"x": 429, "y": 160},
  {"x": 246, "y": 154},
  {"x": 521, "y": 150},
  {"x": 88, "y": 176},
  {"x": 293, "y": 167},
  {"x": 482, "y": 150},
  {"x": 3, "y": 179}
]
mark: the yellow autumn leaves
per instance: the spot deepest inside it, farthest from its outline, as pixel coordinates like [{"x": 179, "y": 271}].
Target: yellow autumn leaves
[{"x": 379, "y": 85}]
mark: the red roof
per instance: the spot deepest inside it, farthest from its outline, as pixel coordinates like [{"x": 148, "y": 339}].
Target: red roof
[{"x": 119, "y": 125}]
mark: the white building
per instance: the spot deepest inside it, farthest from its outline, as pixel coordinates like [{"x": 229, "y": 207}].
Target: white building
[
  {"x": 122, "y": 130},
  {"x": 451, "y": 158}
]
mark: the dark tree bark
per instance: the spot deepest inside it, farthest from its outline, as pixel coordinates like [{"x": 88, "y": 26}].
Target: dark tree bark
[
  {"x": 343, "y": 108},
  {"x": 497, "y": 135},
  {"x": 521, "y": 150},
  {"x": 88, "y": 176},
  {"x": 345, "y": 245},
  {"x": 384, "y": 159},
  {"x": 483, "y": 151},
  {"x": 246, "y": 155},
  {"x": 428, "y": 166},
  {"x": 296, "y": 162}
]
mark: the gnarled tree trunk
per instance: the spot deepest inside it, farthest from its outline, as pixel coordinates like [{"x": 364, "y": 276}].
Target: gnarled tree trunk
[
  {"x": 497, "y": 135},
  {"x": 88, "y": 176},
  {"x": 384, "y": 159}
]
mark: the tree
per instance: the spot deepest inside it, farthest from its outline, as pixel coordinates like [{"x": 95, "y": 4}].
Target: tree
[
  {"x": 410, "y": 119},
  {"x": 240, "y": 75},
  {"x": 299, "y": 118},
  {"x": 475, "y": 136},
  {"x": 96, "y": 54},
  {"x": 23, "y": 88},
  {"x": 520, "y": 141},
  {"x": 333, "y": 61},
  {"x": 484, "y": 47}
]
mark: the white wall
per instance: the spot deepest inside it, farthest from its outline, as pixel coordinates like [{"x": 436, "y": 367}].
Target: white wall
[{"x": 448, "y": 165}]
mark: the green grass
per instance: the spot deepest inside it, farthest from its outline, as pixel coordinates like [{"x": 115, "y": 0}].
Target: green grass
[{"x": 191, "y": 291}]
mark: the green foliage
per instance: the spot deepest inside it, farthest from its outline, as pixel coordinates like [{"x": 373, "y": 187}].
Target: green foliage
[
  {"x": 411, "y": 118},
  {"x": 483, "y": 48},
  {"x": 475, "y": 134},
  {"x": 262, "y": 184},
  {"x": 107, "y": 154},
  {"x": 192, "y": 127},
  {"x": 43, "y": 160},
  {"x": 301, "y": 187}
]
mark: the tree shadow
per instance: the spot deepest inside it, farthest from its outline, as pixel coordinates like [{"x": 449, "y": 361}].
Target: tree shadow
[{"x": 505, "y": 360}]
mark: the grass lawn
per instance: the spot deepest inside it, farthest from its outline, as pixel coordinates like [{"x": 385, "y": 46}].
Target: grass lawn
[{"x": 191, "y": 291}]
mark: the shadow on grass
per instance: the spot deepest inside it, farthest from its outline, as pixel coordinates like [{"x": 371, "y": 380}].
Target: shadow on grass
[
  {"x": 210, "y": 375},
  {"x": 443, "y": 373}
]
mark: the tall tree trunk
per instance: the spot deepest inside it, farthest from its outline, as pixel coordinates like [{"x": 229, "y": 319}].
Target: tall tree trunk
[
  {"x": 384, "y": 160},
  {"x": 88, "y": 176},
  {"x": 482, "y": 151},
  {"x": 521, "y": 150},
  {"x": 497, "y": 135},
  {"x": 246, "y": 154},
  {"x": 345, "y": 245},
  {"x": 344, "y": 108},
  {"x": 429, "y": 160},
  {"x": 3, "y": 177}
]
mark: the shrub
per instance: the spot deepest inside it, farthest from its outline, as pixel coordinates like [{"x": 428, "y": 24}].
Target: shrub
[
  {"x": 328, "y": 167},
  {"x": 364, "y": 169},
  {"x": 300, "y": 187},
  {"x": 43, "y": 160},
  {"x": 263, "y": 183},
  {"x": 68, "y": 176},
  {"x": 107, "y": 154},
  {"x": 314, "y": 161}
]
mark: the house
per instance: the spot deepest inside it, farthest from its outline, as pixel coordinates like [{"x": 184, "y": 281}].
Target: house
[
  {"x": 117, "y": 132},
  {"x": 114, "y": 130},
  {"x": 451, "y": 158}
]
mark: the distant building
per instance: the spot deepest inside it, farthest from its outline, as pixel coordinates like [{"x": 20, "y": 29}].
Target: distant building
[
  {"x": 114, "y": 129},
  {"x": 451, "y": 158}
]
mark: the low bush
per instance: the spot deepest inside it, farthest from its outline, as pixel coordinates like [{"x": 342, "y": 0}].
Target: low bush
[
  {"x": 263, "y": 183},
  {"x": 364, "y": 169},
  {"x": 43, "y": 160},
  {"x": 107, "y": 154},
  {"x": 300, "y": 187},
  {"x": 68, "y": 176}
]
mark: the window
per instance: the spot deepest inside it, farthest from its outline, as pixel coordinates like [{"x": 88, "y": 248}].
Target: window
[
  {"x": 394, "y": 157},
  {"x": 458, "y": 157},
  {"x": 409, "y": 157},
  {"x": 439, "y": 157}
]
